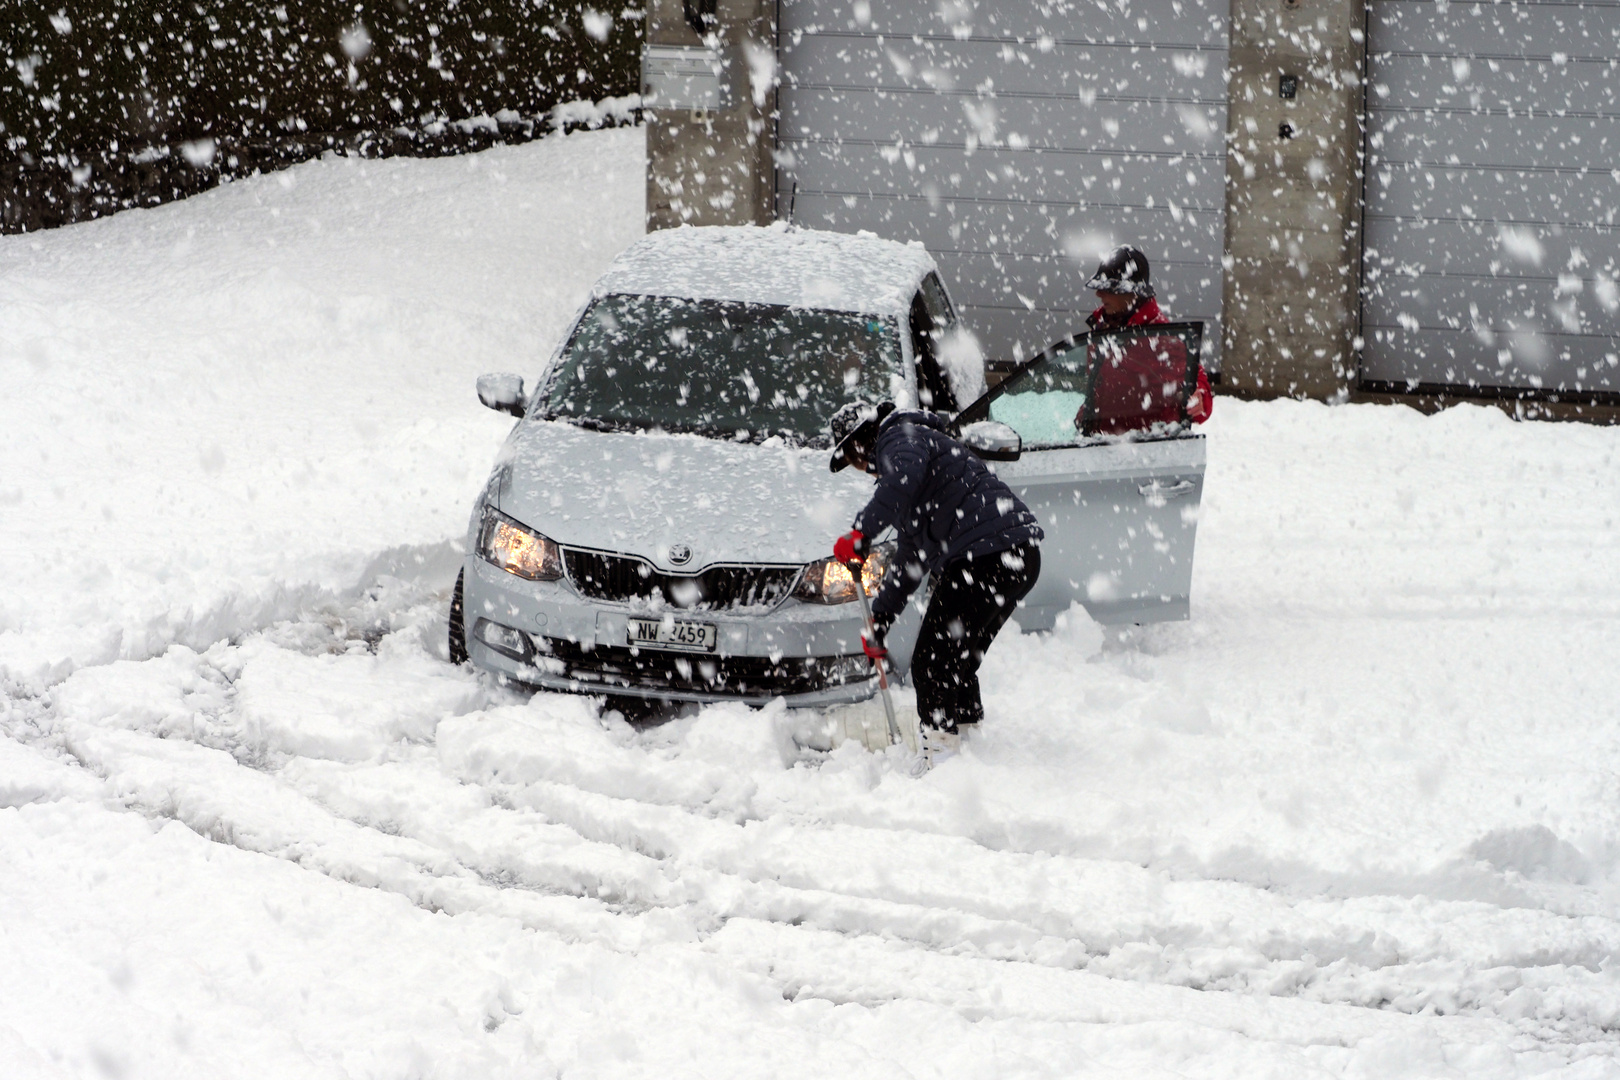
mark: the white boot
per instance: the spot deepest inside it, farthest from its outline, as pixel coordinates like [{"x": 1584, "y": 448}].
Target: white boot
[{"x": 939, "y": 746}]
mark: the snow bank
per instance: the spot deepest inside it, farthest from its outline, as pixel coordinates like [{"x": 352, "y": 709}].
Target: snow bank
[
  {"x": 215, "y": 414},
  {"x": 594, "y": 114}
]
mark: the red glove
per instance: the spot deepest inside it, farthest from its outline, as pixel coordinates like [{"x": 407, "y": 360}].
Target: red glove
[
  {"x": 873, "y": 648},
  {"x": 1201, "y": 403},
  {"x": 851, "y": 547}
]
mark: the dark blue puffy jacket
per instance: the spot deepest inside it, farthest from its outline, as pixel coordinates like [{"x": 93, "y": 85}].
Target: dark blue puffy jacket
[{"x": 943, "y": 502}]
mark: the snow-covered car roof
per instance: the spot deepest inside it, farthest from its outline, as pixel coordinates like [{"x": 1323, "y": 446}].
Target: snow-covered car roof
[{"x": 772, "y": 264}]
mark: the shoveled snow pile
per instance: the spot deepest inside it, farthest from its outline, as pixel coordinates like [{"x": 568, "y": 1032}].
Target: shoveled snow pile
[{"x": 1359, "y": 817}]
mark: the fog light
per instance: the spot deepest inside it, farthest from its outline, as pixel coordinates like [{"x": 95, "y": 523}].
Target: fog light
[{"x": 504, "y": 639}]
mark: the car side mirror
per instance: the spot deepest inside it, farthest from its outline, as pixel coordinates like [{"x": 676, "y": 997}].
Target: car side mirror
[
  {"x": 993, "y": 441},
  {"x": 502, "y": 391}
]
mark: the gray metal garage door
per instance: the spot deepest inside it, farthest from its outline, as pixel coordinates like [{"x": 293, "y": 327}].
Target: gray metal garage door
[
  {"x": 1018, "y": 139},
  {"x": 1493, "y": 142}
]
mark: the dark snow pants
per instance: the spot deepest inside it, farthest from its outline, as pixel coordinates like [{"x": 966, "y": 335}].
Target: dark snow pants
[{"x": 973, "y": 598}]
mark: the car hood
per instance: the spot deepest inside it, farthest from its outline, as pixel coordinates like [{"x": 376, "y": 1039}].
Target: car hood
[{"x": 646, "y": 494}]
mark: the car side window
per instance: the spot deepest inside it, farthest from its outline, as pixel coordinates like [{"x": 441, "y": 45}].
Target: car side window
[
  {"x": 931, "y": 316},
  {"x": 933, "y": 392},
  {"x": 938, "y": 304}
]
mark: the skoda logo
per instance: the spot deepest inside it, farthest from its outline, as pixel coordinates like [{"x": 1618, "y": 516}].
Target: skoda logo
[{"x": 680, "y": 554}]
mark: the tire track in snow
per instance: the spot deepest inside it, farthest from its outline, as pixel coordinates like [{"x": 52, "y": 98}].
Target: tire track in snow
[
  {"x": 225, "y": 801},
  {"x": 169, "y": 739},
  {"x": 540, "y": 812},
  {"x": 1428, "y": 955},
  {"x": 946, "y": 919}
]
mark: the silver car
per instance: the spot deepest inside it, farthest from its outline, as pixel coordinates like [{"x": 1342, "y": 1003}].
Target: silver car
[{"x": 658, "y": 523}]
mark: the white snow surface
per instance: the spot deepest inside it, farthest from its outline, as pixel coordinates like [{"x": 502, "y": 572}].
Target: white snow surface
[
  {"x": 1359, "y": 817},
  {"x": 774, "y": 264}
]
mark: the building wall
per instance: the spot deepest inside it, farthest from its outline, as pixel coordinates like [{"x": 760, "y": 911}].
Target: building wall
[
  {"x": 1293, "y": 204},
  {"x": 1293, "y": 207},
  {"x": 1492, "y": 249},
  {"x": 1019, "y": 142},
  {"x": 715, "y": 167}
]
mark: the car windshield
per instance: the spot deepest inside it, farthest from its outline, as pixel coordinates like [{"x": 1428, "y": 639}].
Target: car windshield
[{"x": 727, "y": 370}]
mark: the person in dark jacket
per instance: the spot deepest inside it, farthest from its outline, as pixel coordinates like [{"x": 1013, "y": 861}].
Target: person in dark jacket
[
  {"x": 956, "y": 520},
  {"x": 1124, "y": 288}
]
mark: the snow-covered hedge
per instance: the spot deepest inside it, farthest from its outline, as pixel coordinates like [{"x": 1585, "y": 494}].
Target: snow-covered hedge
[{"x": 115, "y": 103}]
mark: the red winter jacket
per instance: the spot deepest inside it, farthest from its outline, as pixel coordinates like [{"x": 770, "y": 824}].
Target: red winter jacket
[{"x": 1201, "y": 402}]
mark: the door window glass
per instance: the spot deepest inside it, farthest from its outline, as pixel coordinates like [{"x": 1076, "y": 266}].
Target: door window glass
[
  {"x": 1046, "y": 406},
  {"x": 1132, "y": 383}
]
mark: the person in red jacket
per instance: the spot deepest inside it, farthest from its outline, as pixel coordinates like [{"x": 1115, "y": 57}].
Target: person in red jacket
[{"x": 1125, "y": 291}]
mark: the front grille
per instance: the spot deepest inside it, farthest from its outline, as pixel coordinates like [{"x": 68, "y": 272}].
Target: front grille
[
  {"x": 622, "y": 578},
  {"x": 610, "y": 666}
]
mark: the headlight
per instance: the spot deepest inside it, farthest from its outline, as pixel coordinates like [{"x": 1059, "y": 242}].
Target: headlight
[
  {"x": 828, "y": 581},
  {"x": 504, "y": 543}
]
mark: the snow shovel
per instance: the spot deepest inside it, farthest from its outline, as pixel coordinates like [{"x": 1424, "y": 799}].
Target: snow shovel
[{"x": 854, "y": 567}]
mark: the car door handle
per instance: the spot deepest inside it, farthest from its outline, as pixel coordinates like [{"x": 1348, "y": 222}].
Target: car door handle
[{"x": 1160, "y": 493}]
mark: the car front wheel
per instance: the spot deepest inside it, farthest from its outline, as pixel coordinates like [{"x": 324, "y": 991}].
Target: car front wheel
[{"x": 458, "y": 627}]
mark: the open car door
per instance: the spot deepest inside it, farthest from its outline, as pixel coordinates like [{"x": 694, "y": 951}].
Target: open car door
[{"x": 1110, "y": 466}]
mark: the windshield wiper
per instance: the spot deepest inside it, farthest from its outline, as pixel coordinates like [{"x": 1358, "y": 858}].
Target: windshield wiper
[
  {"x": 755, "y": 436},
  {"x": 595, "y": 423},
  {"x": 704, "y": 431},
  {"x": 591, "y": 423},
  {"x": 699, "y": 430}
]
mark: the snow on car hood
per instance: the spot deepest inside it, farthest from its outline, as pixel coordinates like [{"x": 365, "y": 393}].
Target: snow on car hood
[{"x": 644, "y": 493}]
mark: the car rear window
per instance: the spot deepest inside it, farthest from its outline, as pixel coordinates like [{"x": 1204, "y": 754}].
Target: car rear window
[{"x": 727, "y": 370}]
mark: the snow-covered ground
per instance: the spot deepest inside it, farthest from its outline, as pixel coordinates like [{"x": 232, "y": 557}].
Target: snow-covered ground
[{"x": 1359, "y": 817}]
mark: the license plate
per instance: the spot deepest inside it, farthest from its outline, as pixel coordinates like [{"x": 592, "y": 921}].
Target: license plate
[{"x": 678, "y": 634}]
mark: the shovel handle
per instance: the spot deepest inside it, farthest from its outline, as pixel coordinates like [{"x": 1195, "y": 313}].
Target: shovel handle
[{"x": 854, "y": 566}]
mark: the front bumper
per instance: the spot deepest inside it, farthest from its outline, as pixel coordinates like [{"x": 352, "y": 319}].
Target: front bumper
[{"x": 808, "y": 654}]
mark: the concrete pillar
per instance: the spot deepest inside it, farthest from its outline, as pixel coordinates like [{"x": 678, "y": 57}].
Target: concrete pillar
[
  {"x": 716, "y": 167},
  {"x": 1293, "y": 198}
]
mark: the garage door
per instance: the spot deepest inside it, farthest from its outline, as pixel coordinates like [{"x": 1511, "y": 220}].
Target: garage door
[
  {"x": 1018, "y": 140},
  {"x": 1491, "y": 240}
]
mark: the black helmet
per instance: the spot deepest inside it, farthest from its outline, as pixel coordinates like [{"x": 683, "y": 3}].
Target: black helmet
[
  {"x": 1123, "y": 270},
  {"x": 855, "y": 425}
]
